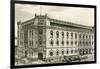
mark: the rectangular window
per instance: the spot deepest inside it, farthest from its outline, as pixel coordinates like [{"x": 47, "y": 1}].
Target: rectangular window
[
  {"x": 67, "y": 35},
  {"x": 75, "y": 36}
]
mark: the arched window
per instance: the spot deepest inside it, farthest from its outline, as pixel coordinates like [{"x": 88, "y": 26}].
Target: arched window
[
  {"x": 71, "y": 35},
  {"x": 71, "y": 51},
  {"x": 57, "y": 53},
  {"x": 67, "y": 42},
  {"x": 51, "y": 34},
  {"x": 51, "y": 53},
  {"x": 62, "y": 42},
  {"x": 80, "y": 36},
  {"x": 62, "y": 34},
  {"x": 62, "y": 52},
  {"x": 57, "y": 34},
  {"x": 51, "y": 42},
  {"x": 71, "y": 42},
  {"x": 57, "y": 42},
  {"x": 67, "y": 51}
]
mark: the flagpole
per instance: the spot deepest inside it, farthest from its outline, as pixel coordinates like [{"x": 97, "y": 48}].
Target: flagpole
[{"x": 40, "y": 10}]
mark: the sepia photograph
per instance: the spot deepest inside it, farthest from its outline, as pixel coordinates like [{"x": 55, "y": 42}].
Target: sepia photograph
[{"x": 47, "y": 33}]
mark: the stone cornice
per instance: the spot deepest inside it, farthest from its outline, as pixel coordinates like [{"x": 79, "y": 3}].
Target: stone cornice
[{"x": 69, "y": 23}]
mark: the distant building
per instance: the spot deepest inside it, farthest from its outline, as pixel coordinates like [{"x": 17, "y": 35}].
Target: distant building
[{"x": 45, "y": 38}]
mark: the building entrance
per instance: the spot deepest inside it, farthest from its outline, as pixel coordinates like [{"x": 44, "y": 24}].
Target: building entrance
[{"x": 40, "y": 56}]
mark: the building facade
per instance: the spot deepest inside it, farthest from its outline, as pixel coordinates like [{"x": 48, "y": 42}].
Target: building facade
[{"x": 45, "y": 38}]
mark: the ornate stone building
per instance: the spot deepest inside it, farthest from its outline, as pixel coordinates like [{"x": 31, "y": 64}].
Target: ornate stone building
[{"x": 45, "y": 38}]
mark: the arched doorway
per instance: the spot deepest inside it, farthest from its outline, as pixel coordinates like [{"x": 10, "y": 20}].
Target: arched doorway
[{"x": 40, "y": 56}]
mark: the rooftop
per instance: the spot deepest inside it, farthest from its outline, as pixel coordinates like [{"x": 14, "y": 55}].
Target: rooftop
[{"x": 71, "y": 24}]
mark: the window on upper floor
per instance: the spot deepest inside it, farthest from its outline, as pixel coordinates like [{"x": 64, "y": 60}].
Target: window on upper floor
[
  {"x": 62, "y": 52},
  {"x": 89, "y": 36},
  {"x": 21, "y": 36},
  {"x": 39, "y": 37},
  {"x": 62, "y": 34},
  {"x": 40, "y": 21},
  {"x": 32, "y": 42},
  {"x": 57, "y": 42},
  {"x": 71, "y": 35},
  {"x": 83, "y": 43},
  {"x": 51, "y": 34},
  {"x": 57, "y": 34},
  {"x": 80, "y": 36},
  {"x": 62, "y": 42},
  {"x": 67, "y": 42},
  {"x": 92, "y": 42},
  {"x": 36, "y": 42},
  {"x": 86, "y": 43},
  {"x": 21, "y": 43},
  {"x": 80, "y": 42},
  {"x": 40, "y": 42},
  {"x": 29, "y": 43},
  {"x": 92, "y": 36},
  {"x": 75, "y": 35},
  {"x": 51, "y": 42},
  {"x": 32, "y": 33},
  {"x": 86, "y": 36},
  {"x": 83, "y": 36},
  {"x": 67, "y": 34},
  {"x": 71, "y": 42}
]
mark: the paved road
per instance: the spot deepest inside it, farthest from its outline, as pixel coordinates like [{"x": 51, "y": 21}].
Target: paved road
[{"x": 25, "y": 61}]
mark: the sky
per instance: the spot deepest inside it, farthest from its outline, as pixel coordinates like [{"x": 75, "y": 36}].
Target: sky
[{"x": 78, "y": 15}]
